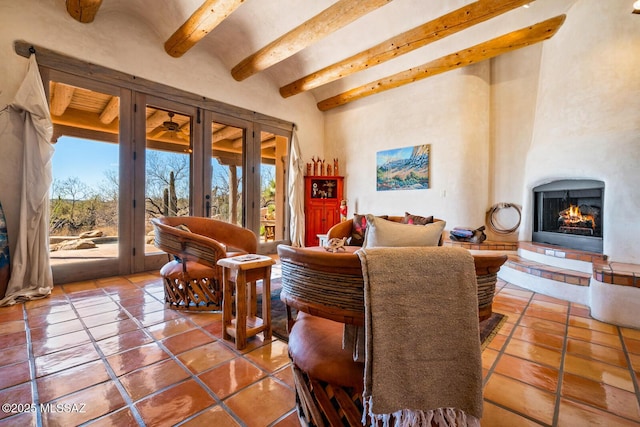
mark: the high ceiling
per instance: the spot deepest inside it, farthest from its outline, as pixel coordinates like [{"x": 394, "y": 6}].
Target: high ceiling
[{"x": 317, "y": 46}]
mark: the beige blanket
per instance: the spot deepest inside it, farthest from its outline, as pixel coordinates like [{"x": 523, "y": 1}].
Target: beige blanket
[{"x": 422, "y": 355}]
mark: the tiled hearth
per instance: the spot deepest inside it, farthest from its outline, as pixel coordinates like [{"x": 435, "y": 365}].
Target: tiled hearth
[
  {"x": 111, "y": 346},
  {"x": 609, "y": 288},
  {"x": 615, "y": 273}
]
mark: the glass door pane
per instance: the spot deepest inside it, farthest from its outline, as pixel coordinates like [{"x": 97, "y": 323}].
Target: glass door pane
[
  {"x": 227, "y": 157},
  {"x": 84, "y": 204},
  {"x": 273, "y": 187},
  {"x": 167, "y": 167}
]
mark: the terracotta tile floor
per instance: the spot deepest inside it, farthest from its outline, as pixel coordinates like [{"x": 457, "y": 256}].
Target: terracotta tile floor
[{"x": 106, "y": 352}]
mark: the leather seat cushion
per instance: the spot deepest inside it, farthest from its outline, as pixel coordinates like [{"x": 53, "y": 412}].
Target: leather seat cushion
[
  {"x": 315, "y": 346},
  {"x": 173, "y": 270}
]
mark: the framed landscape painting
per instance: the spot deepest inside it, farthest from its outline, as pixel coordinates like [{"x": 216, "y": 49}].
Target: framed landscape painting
[{"x": 403, "y": 168}]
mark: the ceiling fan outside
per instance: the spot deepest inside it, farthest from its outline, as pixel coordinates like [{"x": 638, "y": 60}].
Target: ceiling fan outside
[
  {"x": 170, "y": 125},
  {"x": 173, "y": 129}
]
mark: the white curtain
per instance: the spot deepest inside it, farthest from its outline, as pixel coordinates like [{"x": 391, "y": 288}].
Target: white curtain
[
  {"x": 25, "y": 134},
  {"x": 296, "y": 193}
]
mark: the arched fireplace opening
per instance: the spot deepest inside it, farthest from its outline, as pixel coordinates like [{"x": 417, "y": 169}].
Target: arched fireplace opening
[{"x": 569, "y": 213}]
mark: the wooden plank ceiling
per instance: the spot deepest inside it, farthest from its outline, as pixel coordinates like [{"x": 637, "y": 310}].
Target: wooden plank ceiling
[
  {"x": 338, "y": 16},
  {"x": 83, "y": 113}
]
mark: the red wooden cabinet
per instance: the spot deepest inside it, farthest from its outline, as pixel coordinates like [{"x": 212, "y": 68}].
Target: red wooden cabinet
[{"x": 322, "y": 196}]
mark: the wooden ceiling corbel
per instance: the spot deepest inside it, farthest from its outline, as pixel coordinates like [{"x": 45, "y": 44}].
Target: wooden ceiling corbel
[
  {"x": 326, "y": 22},
  {"x": 208, "y": 16},
  {"x": 480, "y": 52},
  {"x": 429, "y": 32},
  {"x": 83, "y": 10}
]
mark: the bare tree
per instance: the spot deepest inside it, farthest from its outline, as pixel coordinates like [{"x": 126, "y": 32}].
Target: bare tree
[
  {"x": 167, "y": 170},
  {"x": 75, "y": 190}
]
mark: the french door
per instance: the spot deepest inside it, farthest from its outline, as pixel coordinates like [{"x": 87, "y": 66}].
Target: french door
[
  {"x": 168, "y": 173},
  {"x": 247, "y": 177},
  {"x": 88, "y": 224},
  {"x": 123, "y": 157}
]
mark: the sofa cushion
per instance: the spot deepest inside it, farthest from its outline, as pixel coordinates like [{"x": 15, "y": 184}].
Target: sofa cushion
[
  {"x": 383, "y": 233},
  {"x": 359, "y": 229},
  {"x": 417, "y": 219}
]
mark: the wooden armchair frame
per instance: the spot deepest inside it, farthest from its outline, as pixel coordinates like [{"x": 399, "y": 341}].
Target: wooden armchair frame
[{"x": 198, "y": 243}]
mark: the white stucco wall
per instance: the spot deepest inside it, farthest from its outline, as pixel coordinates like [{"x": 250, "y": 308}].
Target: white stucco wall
[
  {"x": 514, "y": 89},
  {"x": 450, "y": 112},
  {"x": 496, "y": 129},
  {"x": 566, "y": 108},
  {"x": 587, "y": 119},
  {"x": 121, "y": 40}
]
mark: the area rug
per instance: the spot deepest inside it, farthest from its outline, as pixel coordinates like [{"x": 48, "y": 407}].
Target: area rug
[{"x": 488, "y": 328}]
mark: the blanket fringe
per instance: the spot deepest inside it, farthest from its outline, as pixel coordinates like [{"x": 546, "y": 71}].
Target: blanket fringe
[{"x": 441, "y": 417}]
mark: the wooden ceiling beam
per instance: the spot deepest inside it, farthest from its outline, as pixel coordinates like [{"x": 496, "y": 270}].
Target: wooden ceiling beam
[
  {"x": 156, "y": 118},
  {"x": 268, "y": 140},
  {"x": 429, "y": 32},
  {"x": 226, "y": 147},
  {"x": 208, "y": 16},
  {"x": 227, "y": 132},
  {"x": 76, "y": 132},
  {"x": 237, "y": 143},
  {"x": 480, "y": 52},
  {"x": 111, "y": 110},
  {"x": 61, "y": 98},
  {"x": 84, "y": 120},
  {"x": 329, "y": 20},
  {"x": 268, "y": 143},
  {"x": 83, "y": 10}
]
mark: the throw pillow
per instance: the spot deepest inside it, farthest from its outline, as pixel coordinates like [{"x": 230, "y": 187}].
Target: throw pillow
[
  {"x": 358, "y": 229},
  {"x": 383, "y": 233},
  {"x": 417, "y": 219}
]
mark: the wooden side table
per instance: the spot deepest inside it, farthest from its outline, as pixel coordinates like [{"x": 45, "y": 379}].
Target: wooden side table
[{"x": 241, "y": 272}]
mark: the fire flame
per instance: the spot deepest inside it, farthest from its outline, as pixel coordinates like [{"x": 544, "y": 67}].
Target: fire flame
[{"x": 573, "y": 215}]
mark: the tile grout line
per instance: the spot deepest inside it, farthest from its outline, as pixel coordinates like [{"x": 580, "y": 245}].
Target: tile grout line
[
  {"x": 108, "y": 368},
  {"x": 565, "y": 341},
  {"x": 218, "y": 401},
  {"x": 32, "y": 366},
  {"x": 502, "y": 352},
  {"x": 67, "y": 299},
  {"x": 169, "y": 353},
  {"x": 624, "y": 350},
  {"x": 629, "y": 364}
]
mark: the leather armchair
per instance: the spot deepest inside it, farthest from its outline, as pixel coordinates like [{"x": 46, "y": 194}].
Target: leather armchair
[{"x": 198, "y": 243}]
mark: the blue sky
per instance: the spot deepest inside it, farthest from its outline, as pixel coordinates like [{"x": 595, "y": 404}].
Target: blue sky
[
  {"x": 89, "y": 160},
  {"x": 84, "y": 159}
]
